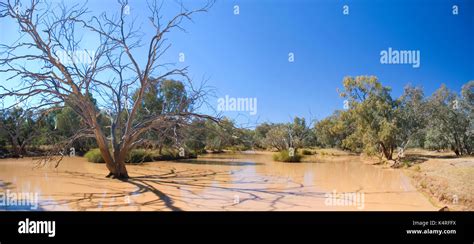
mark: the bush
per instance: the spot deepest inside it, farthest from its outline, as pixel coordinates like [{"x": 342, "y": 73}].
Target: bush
[
  {"x": 307, "y": 152},
  {"x": 284, "y": 156},
  {"x": 94, "y": 156},
  {"x": 173, "y": 154},
  {"x": 136, "y": 156}
]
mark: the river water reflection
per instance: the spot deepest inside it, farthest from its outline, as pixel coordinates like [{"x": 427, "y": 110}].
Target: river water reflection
[{"x": 241, "y": 181}]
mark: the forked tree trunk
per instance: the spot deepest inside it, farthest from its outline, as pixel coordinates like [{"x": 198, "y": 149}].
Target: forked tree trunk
[{"x": 115, "y": 165}]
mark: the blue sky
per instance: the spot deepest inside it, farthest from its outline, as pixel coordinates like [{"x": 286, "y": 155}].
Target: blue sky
[{"x": 246, "y": 55}]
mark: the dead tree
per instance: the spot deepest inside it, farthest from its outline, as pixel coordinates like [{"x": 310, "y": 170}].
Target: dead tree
[{"x": 45, "y": 65}]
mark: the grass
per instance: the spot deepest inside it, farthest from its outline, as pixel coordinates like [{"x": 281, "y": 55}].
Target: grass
[
  {"x": 94, "y": 156},
  {"x": 284, "y": 156}
]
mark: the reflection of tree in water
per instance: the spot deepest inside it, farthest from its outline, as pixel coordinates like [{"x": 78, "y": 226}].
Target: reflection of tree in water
[{"x": 5, "y": 185}]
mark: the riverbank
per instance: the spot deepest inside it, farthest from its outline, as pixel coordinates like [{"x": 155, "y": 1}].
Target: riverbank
[{"x": 446, "y": 179}]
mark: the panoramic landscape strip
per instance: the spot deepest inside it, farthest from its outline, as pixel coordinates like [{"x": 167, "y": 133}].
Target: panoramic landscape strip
[{"x": 103, "y": 106}]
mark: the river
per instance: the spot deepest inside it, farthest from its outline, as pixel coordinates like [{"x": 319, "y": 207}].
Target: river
[{"x": 216, "y": 182}]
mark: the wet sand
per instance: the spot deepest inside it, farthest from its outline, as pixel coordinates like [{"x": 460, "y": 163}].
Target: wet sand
[{"x": 220, "y": 182}]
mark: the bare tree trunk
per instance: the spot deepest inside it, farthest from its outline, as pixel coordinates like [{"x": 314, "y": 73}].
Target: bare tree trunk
[
  {"x": 120, "y": 171},
  {"x": 115, "y": 165}
]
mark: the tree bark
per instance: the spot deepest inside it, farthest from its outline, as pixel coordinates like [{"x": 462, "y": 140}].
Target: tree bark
[
  {"x": 387, "y": 152},
  {"x": 120, "y": 171},
  {"x": 115, "y": 165}
]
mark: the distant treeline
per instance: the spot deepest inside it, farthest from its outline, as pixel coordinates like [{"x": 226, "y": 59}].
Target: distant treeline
[
  {"x": 372, "y": 121},
  {"x": 375, "y": 123}
]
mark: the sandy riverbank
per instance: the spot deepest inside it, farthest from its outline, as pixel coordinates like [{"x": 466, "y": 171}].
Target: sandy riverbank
[
  {"x": 448, "y": 180},
  {"x": 445, "y": 179}
]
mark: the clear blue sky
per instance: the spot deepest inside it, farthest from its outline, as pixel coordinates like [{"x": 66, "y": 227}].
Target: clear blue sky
[{"x": 246, "y": 55}]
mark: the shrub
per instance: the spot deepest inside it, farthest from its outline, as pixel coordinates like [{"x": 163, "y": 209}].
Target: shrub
[
  {"x": 307, "y": 152},
  {"x": 94, "y": 156},
  {"x": 136, "y": 156},
  {"x": 173, "y": 154},
  {"x": 284, "y": 156}
]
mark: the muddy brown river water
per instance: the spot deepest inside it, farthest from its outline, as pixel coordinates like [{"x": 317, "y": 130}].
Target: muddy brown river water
[{"x": 243, "y": 181}]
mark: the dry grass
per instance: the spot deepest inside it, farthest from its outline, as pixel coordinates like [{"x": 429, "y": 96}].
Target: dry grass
[{"x": 447, "y": 179}]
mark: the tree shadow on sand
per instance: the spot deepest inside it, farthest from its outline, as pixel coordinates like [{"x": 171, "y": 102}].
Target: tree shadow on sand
[
  {"x": 200, "y": 187},
  {"x": 4, "y": 185}
]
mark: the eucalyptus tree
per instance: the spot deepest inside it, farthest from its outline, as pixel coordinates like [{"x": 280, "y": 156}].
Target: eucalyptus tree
[
  {"x": 19, "y": 127},
  {"x": 451, "y": 120},
  {"x": 373, "y": 111},
  {"x": 289, "y": 135},
  {"x": 412, "y": 117}
]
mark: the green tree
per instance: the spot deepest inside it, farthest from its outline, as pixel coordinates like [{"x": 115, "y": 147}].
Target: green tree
[
  {"x": 450, "y": 124},
  {"x": 220, "y": 136},
  {"x": 333, "y": 130},
  {"x": 196, "y": 136},
  {"x": 3, "y": 138},
  {"x": 161, "y": 98},
  {"x": 66, "y": 125},
  {"x": 372, "y": 108},
  {"x": 261, "y": 133},
  {"x": 277, "y": 137},
  {"x": 20, "y": 128},
  {"x": 283, "y": 136},
  {"x": 412, "y": 117}
]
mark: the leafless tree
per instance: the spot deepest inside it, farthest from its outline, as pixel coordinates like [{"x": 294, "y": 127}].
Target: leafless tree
[{"x": 45, "y": 60}]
